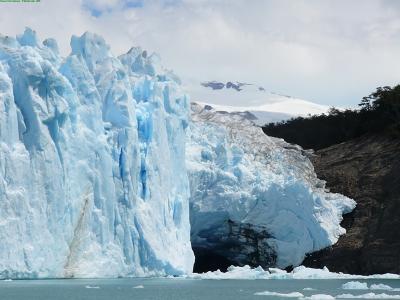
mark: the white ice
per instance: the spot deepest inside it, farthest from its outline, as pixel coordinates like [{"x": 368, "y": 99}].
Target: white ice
[
  {"x": 284, "y": 295},
  {"x": 93, "y": 178},
  {"x": 368, "y": 296},
  {"x": 300, "y": 272},
  {"x": 139, "y": 287},
  {"x": 319, "y": 297},
  {"x": 381, "y": 286},
  {"x": 355, "y": 285},
  {"x": 238, "y": 174},
  {"x": 92, "y": 162}
]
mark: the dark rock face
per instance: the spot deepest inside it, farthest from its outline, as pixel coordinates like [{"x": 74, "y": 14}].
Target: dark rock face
[
  {"x": 214, "y": 85},
  {"x": 366, "y": 169},
  {"x": 238, "y": 86},
  {"x": 233, "y": 244}
]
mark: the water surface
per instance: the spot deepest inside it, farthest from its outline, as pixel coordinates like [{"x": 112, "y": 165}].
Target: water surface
[{"x": 173, "y": 289}]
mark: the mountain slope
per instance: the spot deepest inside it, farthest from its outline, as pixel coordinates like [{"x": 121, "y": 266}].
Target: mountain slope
[
  {"x": 366, "y": 169},
  {"x": 264, "y": 106}
]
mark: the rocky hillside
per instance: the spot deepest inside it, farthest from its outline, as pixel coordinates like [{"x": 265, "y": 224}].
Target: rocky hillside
[{"x": 366, "y": 169}]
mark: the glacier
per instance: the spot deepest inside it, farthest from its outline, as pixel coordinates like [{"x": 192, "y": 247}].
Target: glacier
[
  {"x": 107, "y": 170},
  {"x": 255, "y": 200},
  {"x": 93, "y": 180}
]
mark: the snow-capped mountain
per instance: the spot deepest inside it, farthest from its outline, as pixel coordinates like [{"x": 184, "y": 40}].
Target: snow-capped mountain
[{"x": 262, "y": 106}]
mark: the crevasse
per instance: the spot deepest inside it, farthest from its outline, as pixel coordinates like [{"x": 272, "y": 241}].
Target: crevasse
[{"x": 92, "y": 162}]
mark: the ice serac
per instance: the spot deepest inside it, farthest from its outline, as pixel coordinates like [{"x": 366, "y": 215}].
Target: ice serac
[
  {"x": 255, "y": 199},
  {"x": 92, "y": 162}
]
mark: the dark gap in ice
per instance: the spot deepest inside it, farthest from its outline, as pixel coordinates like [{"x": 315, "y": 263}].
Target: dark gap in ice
[{"x": 207, "y": 260}]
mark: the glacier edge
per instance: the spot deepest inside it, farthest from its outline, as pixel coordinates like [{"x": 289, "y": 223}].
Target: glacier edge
[
  {"x": 255, "y": 200},
  {"x": 104, "y": 172},
  {"x": 92, "y": 172}
]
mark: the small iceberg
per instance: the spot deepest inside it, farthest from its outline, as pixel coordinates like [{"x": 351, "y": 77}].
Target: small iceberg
[
  {"x": 284, "y": 295},
  {"x": 92, "y": 287},
  {"x": 355, "y": 285},
  {"x": 319, "y": 297},
  {"x": 368, "y": 296},
  {"x": 300, "y": 272},
  {"x": 381, "y": 286}
]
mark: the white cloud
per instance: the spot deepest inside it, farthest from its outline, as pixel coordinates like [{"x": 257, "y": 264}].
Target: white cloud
[{"x": 332, "y": 52}]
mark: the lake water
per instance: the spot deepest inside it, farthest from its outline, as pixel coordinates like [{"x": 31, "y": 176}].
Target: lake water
[{"x": 174, "y": 289}]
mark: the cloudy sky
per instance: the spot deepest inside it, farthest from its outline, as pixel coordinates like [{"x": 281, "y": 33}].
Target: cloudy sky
[{"x": 330, "y": 52}]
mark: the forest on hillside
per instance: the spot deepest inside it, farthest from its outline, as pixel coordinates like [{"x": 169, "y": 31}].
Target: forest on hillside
[{"x": 378, "y": 113}]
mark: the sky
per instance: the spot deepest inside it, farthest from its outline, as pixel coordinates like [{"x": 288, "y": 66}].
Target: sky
[{"x": 331, "y": 52}]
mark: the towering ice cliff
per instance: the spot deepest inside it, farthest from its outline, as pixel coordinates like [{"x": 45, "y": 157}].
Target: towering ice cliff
[
  {"x": 255, "y": 199},
  {"x": 93, "y": 179},
  {"x": 92, "y": 162}
]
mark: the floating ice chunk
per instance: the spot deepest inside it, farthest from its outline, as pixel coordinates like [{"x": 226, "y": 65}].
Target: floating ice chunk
[
  {"x": 319, "y": 297},
  {"x": 287, "y": 295},
  {"x": 139, "y": 287},
  {"x": 297, "y": 295},
  {"x": 233, "y": 272},
  {"x": 308, "y": 289},
  {"x": 355, "y": 285},
  {"x": 381, "y": 286},
  {"x": 92, "y": 287},
  {"x": 300, "y": 272},
  {"x": 368, "y": 296}
]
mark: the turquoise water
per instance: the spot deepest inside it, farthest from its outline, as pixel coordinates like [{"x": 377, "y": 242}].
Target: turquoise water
[{"x": 176, "y": 289}]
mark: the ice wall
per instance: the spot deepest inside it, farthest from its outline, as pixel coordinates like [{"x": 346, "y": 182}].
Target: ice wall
[
  {"x": 92, "y": 162},
  {"x": 256, "y": 199},
  {"x": 93, "y": 181}
]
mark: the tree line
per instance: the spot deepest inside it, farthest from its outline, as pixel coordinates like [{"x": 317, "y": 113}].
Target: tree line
[{"x": 378, "y": 113}]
